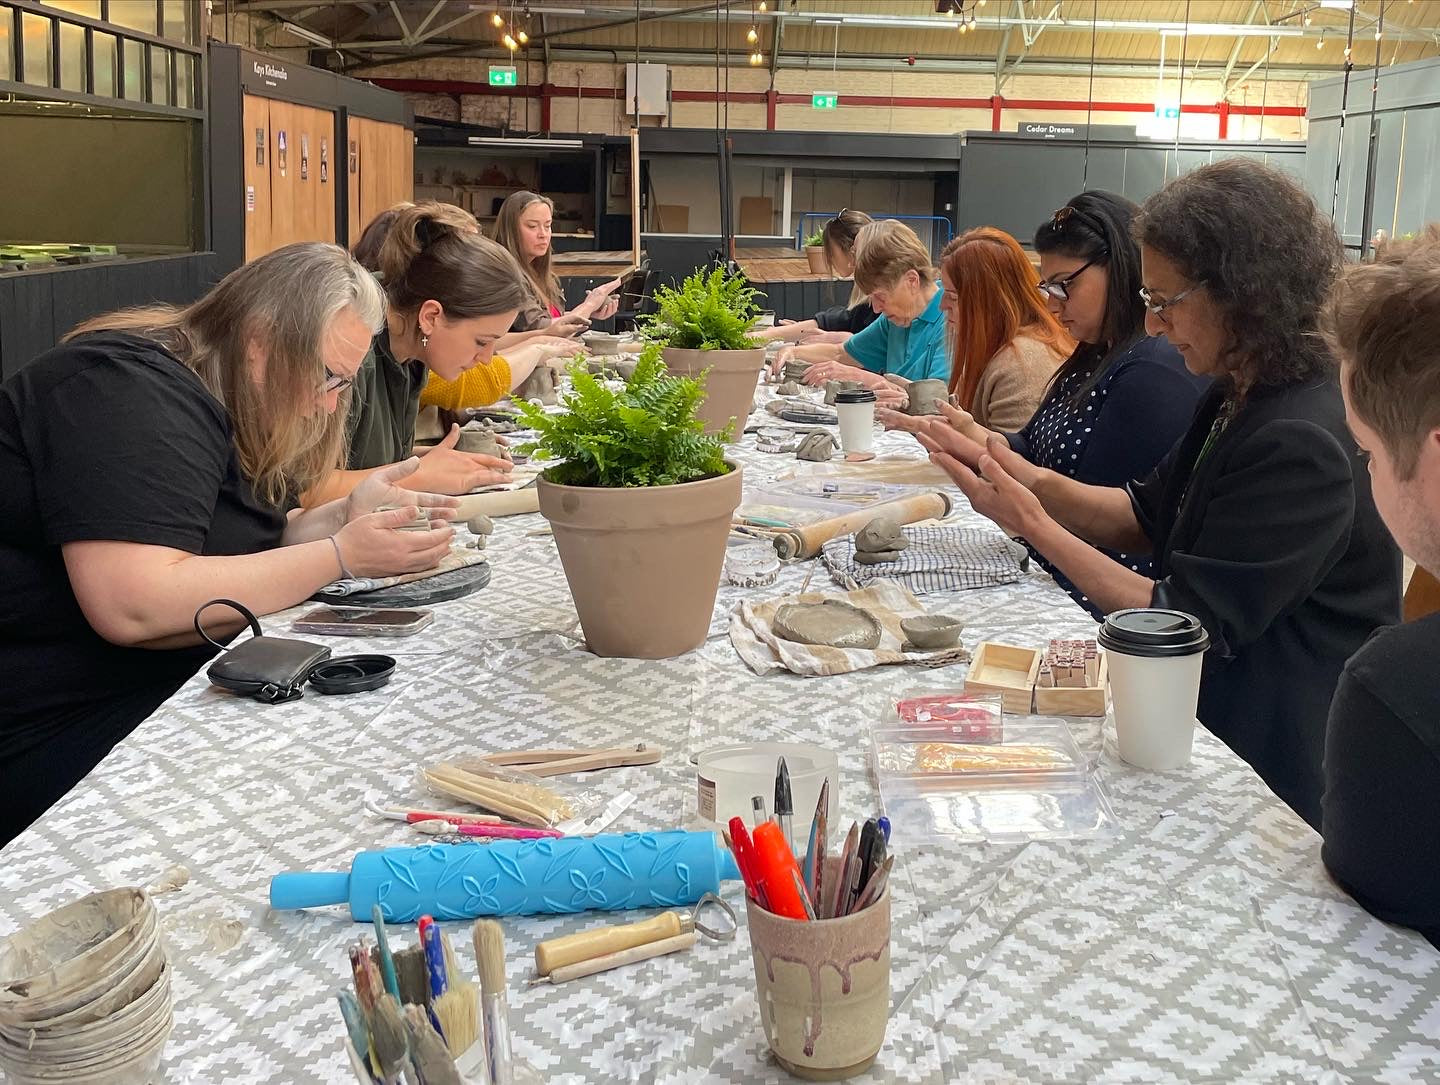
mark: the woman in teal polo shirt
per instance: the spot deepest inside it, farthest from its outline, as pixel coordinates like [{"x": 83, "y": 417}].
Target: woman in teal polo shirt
[{"x": 908, "y": 338}]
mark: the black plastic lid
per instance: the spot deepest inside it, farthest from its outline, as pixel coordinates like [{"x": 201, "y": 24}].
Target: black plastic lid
[
  {"x": 1153, "y": 633},
  {"x": 352, "y": 674},
  {"x": 854, "y": 395}
]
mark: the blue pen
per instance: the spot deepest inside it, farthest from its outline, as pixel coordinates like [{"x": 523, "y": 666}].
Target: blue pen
[
  {"x": 434, "y": 965},
  {"x": 884, "y": 824}
]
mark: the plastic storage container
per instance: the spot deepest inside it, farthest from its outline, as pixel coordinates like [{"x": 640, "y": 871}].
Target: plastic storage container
[
  {"x": 726, "y": 777},
  {"x": 1034, "y": 784}
]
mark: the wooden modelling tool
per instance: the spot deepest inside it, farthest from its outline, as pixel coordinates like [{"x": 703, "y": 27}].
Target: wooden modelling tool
[
  {"x": 584, "y": 945},
  {"x": 559, "y": 762}
]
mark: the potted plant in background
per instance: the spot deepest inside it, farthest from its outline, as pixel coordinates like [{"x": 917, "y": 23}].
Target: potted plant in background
[
  {"x": 640, "y": 504},
  {"x": 704, "y": 327},
  {"x": 815, "y": 253}
]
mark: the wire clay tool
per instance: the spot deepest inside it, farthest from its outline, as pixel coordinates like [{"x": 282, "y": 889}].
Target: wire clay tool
[{"x": 560, "y": 960}]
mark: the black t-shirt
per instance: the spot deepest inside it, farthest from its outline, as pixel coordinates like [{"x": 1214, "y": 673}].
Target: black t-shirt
[
  {"x": 105, "y": 438},
  {"x": 1381, "y": 810},
  {"x": 847, "y": 318}
]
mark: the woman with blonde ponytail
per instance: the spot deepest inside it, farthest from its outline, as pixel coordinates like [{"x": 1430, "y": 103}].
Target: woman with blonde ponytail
[
  {"x": 148, "y": 465},
  {"x": 450, "y": 294}
]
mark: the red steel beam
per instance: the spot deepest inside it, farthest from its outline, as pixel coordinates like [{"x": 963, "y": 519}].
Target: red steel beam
[{"x": 770, "y": 99}]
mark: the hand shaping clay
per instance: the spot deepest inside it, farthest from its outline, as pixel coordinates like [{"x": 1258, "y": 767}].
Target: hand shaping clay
[
  {"x": 420, "y": 523},
  {"x": 880, "y": 534},
  {"x": 817, "y": 447},
  {"x": 832, "y": 623},
  {"x": 540, "y": 385},
  {"x": 475, "y": 438},
  {"x": 481, "y": 524},
  {"x": 931, "y": 630},
  {"x": 789, "y": 388},
  {"x": 926, "y": 396}
]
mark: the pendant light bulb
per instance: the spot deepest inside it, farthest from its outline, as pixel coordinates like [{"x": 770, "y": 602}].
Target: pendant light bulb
[
  {"x": 497, "y": 20},
  {"x": 510, "y": 43},
  {"x": 981, "y": 4},
  {"x": 752, "y": 35},
  {"x": 763, "y": 7},
  {"x": 522, "y": 36}
]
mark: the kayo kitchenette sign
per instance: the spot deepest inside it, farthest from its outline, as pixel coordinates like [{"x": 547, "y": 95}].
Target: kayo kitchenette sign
[{"x": 272, "y": 74}]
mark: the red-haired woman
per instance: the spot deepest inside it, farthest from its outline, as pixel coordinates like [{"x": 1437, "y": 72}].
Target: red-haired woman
[{"x": 1007, "y": 346}]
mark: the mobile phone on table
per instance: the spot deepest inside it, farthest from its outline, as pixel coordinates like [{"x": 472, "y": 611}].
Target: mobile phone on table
[{"x": 362, "y": 622}]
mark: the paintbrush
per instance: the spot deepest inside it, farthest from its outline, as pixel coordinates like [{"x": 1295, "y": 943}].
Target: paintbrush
[
  {"x": 456, "y": 1007},
  {"x": 355, "y": 1024},
  {"x": 410, "y": 971},
  {"x": 432, "y": 1058},
  {"x": 388, "y": 1032},
  {"x": 489, "y": 939},
  {"x": 814, "y": 868},
  {"x": 382, "y": 947}
]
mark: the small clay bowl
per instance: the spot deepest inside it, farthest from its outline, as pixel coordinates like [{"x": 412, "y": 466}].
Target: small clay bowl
[
  {"x": 602, "y": 342},
  {"x": 930, "y": 631}
]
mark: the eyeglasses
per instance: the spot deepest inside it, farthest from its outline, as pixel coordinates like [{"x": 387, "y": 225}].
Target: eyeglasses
[
  {"x": 1158, "y": 308},
  {"x": 336, "y": 383},
  {"x": 1059, "y": 289}
]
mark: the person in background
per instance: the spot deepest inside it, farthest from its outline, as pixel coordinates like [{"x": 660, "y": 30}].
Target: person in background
[
  {"x": 907, "y": 340},
  {"x": 1379, "y": 816},
  {"x": 1123, "y": 397},
  {"x": 451, "y": 294},
  {"x": 522, "y": 228},
  {"x": 1259, "y": 520},
  {"x": 150, "y": 464},
  {"x": 1006, "y": 344},
  {"x": 839, "y": 322},
  {"x": 519, "y": 352}
]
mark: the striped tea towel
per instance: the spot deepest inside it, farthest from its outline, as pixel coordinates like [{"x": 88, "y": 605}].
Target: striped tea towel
[{"x": 939, "y": 558}]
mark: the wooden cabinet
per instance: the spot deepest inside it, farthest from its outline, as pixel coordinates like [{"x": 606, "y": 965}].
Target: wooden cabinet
[
  {"x": 381, "y": 161},
  {"x": 289, "y": 178}
]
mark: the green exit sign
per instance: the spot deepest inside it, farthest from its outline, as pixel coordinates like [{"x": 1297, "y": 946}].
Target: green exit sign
[
  {"x": 502, "y": 77},
  {"x": 824, "y": 99}
]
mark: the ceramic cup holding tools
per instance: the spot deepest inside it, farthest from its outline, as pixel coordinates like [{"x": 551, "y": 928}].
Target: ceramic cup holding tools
[
  {"x": 1154, "y": 659},
  {"x": 823, "y": 987},
  {"x": 856, "y": 410}
]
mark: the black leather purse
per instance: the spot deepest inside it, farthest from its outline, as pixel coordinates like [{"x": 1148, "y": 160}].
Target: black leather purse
[{"x": 272, "y": 670}]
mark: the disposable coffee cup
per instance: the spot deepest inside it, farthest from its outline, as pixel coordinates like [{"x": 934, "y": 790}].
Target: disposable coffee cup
[
  {"x": 856, "y": 409},
  {"x": 1154, "y": 659}
]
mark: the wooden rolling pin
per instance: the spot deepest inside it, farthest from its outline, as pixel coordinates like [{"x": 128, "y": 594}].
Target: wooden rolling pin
[
  {"x": 499, "y": 503},
  {"x": 805, "y": 542},
  {"x": 616, "y": 960},
  {"x": 602, "y": 941}
]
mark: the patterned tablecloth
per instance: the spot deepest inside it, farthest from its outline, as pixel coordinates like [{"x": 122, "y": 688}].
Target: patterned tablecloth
[{"x": 1200, "y": 943}]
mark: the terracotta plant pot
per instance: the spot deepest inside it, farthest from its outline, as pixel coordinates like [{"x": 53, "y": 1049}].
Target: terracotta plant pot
[
  {"x": 729, "y": 386},
  {"x": 643, "y": 563},
  {"x": 823, "y": 988},
  {"x": 819, "y": 265}
]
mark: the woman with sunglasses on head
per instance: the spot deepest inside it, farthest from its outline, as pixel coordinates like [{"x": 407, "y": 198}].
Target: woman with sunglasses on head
[
  {"x": 839, "y": 322},
  {"x": 1260, "y": 521},
  {"x": 451, "y": 294},
  {"x": 150, "y": 464},
  {"x": 1123, "y": 397},
  {"x": 907, "y": 340}
]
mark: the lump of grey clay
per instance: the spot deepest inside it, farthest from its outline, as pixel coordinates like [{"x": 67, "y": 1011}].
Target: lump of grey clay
[
  {"x": 880, "y": 535},
  {"x": 926, "y": 396},
  {"x": 538, "y": 386},
  {"x": 876, "y": 557},
  {"x": 477, "y": 439},
  {"x": 481, "y": 524},
  {"x": 817, "y": 447},
  {"x": 931, "y": 631},
  {"x": 831, "y": 623},
  {"x": 789, "y": 388},
  {"x": 794, "y": 369},
  {"x": 831, "y": 388}
]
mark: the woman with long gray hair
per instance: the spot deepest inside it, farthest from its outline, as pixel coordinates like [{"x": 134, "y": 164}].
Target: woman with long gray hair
[{"x": 150, "y": 464}]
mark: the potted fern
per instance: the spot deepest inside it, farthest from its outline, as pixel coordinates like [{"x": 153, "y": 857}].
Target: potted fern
[
  {"x": 704, "y": 327},
  {"x": 640, "y": 502},
  {"x": 815, "y": 253}
]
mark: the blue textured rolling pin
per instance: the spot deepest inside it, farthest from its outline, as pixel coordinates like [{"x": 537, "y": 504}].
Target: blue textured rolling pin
[{"x": 608, "y": 872}]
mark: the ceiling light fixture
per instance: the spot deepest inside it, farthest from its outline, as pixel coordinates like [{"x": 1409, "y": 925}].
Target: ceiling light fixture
[
  {"x": 752, "y": 35},
  {"x": 523, "y": 37},
  {"x": 510, "y": 43},
  {"x": 497, "y": 20}
]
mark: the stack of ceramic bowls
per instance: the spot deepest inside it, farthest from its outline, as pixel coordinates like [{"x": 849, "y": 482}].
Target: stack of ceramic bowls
[{"x": 85, "y": 993}]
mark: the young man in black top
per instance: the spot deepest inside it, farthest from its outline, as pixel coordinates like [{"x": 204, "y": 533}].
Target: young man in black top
[{"x": 1381, "y": 806}]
